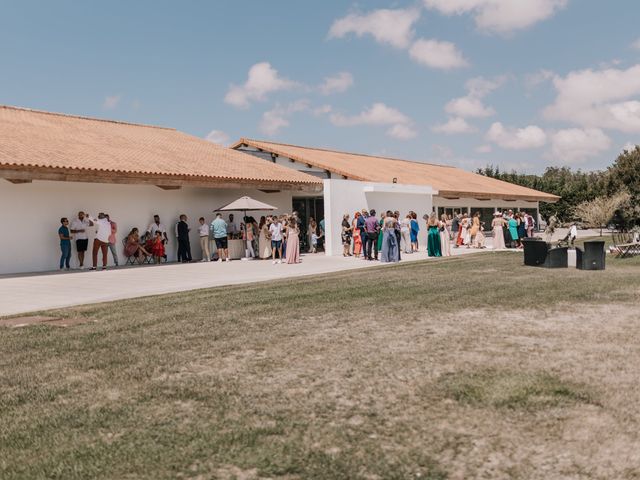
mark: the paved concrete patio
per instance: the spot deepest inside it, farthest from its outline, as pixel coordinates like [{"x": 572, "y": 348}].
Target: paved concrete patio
[
  {"x": 45, "y": 291},
  {"x": 35, "y": 292}
]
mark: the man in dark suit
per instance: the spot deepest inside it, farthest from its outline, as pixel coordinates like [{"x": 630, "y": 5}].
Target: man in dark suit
[{"x": 184, "y": 247}]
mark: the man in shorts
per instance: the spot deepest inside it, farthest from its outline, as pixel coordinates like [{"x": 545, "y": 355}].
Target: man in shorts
[
  {"x": 219, "y": 227},
  {"x": 275, "y": 229},
  {"x": 79, "y": 228}
]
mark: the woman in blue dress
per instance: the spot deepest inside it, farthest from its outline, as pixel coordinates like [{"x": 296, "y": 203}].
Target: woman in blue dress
[
  {"x": 390, "y": 251},
  {"x": 415, "y": 228},
  {"x": 513, "y": 230}
]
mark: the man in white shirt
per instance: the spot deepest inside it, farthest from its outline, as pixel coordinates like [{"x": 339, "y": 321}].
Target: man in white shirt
[
  {"x": 79, "y": 227},
  {"x": 275, "y": 229},
  {"x": 232, "y": 229},
  {"x": 573, "y": 233},
  {"x": 155, "y": 226},
  {"x": 203, "y": 232},
  {"x": 101, "y": 240}
]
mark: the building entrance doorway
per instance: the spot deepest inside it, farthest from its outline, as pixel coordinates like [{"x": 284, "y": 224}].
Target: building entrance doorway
[{"x": 307, "y": 208}]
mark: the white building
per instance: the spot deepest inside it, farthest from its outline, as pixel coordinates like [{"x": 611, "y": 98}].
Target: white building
[
  {"x": 55, "y": 165},
  {"x": 354, "y": 181}
]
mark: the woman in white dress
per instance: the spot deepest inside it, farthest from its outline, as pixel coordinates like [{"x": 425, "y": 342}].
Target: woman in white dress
[
  {"x": 445, "y": 237},
  {"x": 498, "y": 235},
  {"x": 264, "y": 240},
  {"x": 405, "y": 232}
]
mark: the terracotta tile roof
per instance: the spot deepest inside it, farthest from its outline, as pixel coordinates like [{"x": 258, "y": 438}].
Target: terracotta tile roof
[
  {"x": 449, "y": 181},
  {"x": 46, "y": 141}
]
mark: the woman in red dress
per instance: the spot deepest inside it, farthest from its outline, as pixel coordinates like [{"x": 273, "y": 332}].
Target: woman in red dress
[{"x": 158, "y": 247}]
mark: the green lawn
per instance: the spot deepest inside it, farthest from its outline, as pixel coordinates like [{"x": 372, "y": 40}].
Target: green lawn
[{"x": 469, "y": 367}]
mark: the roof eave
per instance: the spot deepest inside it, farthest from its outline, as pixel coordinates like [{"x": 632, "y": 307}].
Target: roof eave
[{"x": 22, "y": 173}]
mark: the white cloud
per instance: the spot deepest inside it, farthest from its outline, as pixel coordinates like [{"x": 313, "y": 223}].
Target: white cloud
[
  {"x": 278, "y": 117},
  {"x": 454, "y": 126},
  {"x": 636, "y": 44},
  {"x": 217, "y": 136},
  {"x": 337, "y": 83},
  {"x": 402, "y": 132},
  {"x": 392, "y": 27},
  {"x": 598, "y": 99},
  {"x": 262, "y": 79},
  {"x": 111, "y": 102},
  {"x": 401, "y": 126},
  {"x": 516, "y": 138},
  {"x": 484, "y": 149},
  {"x": 471, "y": 104},
  {"x": 629, "y": 147},
  {"x": 501, "y": 16},
  {"x": 575, "y": 145},
  {"x": 437, "y": 54},
  {"x": 468, "y": 107},
  {"x": 378, "y": 114}
]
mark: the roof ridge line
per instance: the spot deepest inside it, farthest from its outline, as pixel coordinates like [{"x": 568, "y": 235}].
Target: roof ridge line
[
  {"x": 345, "y": 152},
  {"x": 83, "y": 117}
]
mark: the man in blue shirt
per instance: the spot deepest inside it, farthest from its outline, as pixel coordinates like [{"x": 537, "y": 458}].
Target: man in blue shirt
[
  {"x": 219, "y": 228},
  {"x": 65, "y": 243}
]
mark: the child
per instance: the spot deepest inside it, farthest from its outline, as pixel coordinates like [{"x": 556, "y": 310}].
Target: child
[
  {"x": 158, "y": 247},
  {"x": 314, "y": 242}
]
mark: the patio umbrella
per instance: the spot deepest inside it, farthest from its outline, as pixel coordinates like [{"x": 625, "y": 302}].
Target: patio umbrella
[{"x": 244, "y": 205}]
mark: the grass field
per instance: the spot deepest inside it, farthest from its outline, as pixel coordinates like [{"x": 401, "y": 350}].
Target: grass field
[{"x": 469, "y": 367}]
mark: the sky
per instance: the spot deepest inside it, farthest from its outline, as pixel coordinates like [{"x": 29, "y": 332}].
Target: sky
[{"x": 521, "y": 84}]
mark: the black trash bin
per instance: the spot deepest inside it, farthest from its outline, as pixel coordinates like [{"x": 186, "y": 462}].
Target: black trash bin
[
  {"x": 538, "y": 253},
  {"x": 535, "y": 251},
  {"x": 592, "y": 257}
]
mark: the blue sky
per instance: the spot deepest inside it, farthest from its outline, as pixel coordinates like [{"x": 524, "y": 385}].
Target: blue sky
[{"x": 463, "y": 82}]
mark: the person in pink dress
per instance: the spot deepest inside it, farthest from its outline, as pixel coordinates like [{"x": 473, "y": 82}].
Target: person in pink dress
[{"x": 293, "y": 243}]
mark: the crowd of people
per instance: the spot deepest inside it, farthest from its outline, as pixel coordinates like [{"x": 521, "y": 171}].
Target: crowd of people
[
  {"x": 273, "y": 237},
  {"x": 277, "y": 237},
  {"x": 386, "y": 237}
]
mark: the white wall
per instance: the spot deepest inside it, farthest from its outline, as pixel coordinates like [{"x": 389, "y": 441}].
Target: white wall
[
  {"x": 349, "y": 196},
  {"x": 31, "y": 215}
]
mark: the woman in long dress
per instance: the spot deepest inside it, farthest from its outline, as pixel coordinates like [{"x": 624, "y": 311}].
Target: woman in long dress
[
  {"x": 357, "y": 239},
  {"x": 405, "y": 231},
  {"x": 264, "y": 241},
  {"x": 312, "y": 229},
  {"x": 462, "y": 228},
  {"x": 390, "y": 251},
  {"x": 475, "y": 228},
  {"x": 293, "y": 243},
  {"x": 380, "y": 236},
  {"x": 433, "y": 237},
  {"x": 513, "y": 230},
  {"x": 445, "y": 239},
  {"x": 415, "y": 229},
  {"x": 498, "y": 235},
  {"x": 346, "y": 235}
]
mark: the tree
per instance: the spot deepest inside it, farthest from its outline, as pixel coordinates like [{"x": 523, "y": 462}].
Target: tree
[
  {"x": 625, "y": 174},
  {"x": 598, "y": 212}
]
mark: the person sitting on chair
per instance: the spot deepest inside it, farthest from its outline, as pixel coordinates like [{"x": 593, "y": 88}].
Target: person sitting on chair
[{"x": 133, "y": 248}]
